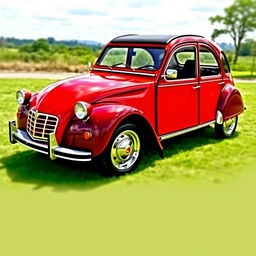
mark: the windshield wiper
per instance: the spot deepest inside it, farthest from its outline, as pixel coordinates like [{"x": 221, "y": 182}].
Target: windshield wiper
[
  {"x": 110, "y": 67},
  {"x": 126, "y": 65}
]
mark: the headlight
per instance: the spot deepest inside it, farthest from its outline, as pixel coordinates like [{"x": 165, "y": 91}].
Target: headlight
[
  {"x": 23, "y": 97},
  {"x": 82, "y": 109}
]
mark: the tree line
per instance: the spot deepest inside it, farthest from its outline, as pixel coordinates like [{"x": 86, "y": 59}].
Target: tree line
[
  {"x": 12, "y": 42},
  {"x": 43, "y": 50}
]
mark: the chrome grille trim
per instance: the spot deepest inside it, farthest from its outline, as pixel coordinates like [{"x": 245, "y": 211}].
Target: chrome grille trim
[{"x": 40, "y": 125}]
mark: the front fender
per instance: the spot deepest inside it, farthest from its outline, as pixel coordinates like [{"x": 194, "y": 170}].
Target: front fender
[
  {"x": 102, "y": 122},
  {"x": 230, "y": 102}
]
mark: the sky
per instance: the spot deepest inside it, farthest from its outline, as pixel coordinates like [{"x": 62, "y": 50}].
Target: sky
[{"x": 102, "y": 20}]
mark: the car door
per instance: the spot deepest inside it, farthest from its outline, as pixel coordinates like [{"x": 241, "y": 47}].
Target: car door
[
  {"x": 211, "y": 83},
  {"x": 178, "y": 97}
]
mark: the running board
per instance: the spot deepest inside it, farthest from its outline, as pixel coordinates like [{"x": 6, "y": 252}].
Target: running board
[{"x": 173, "y": 134}]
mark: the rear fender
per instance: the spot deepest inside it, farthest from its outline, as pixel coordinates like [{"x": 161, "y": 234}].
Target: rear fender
[{"x": 230, "y": 103}]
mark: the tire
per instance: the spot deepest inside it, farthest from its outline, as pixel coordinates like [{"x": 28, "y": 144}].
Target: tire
[
  {"x": 227, "y": 128},
  {"x": 124, "y": 151}
]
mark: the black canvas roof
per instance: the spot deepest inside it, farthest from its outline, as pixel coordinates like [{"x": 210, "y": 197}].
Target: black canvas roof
[{"x": 142, "y": 39}]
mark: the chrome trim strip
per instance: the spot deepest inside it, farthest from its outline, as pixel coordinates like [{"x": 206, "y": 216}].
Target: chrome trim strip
[
  {"x": 71, "y": 151},
  {"x": 124, "y": 72},
  {"x": 70, "y": 154},
  {"x": 170, "y": 85},
  {"x": 173, "y": 134},
  {"x": 210, "y": 76},
  {"x": 24, "y": 136},
  {"x": 23, "y": 142},
  {"x": 208, "y": 81},
  {"x": 73, "y": 159}
]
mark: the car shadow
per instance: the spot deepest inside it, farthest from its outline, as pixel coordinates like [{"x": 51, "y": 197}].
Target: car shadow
[
  {"x": 34, "y": 168},
  {"x": 182, "y": 143}
]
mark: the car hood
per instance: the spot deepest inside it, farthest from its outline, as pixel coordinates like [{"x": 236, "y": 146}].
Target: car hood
[{"x": 60, "y": 97}]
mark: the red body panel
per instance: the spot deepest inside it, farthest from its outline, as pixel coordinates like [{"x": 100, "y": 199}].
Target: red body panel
[
  {"x": 209, "y": 96},
  {"x": 230, "y": 102},
  {"x": 177, "y": 106},
  {"x": 210, "y": 88},
  {"x": 167, "y": 106}
]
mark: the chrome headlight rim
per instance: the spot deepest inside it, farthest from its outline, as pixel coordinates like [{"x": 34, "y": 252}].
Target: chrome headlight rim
[
  {"x": 20, "y": 94},
  {"x": 81, "y": 110}
]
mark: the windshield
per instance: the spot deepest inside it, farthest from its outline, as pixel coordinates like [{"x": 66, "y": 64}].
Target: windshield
[{"x": 144, "y": 58}]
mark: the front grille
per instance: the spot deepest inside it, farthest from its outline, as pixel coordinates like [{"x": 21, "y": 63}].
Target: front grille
[{"x": 40, "y": 125}]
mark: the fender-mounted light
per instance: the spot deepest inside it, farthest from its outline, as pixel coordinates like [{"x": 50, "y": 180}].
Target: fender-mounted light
[
  {"x": 82, "y": 110},
  {"x": 23, "y": 97},
  {"x": 87, "y": 135}
]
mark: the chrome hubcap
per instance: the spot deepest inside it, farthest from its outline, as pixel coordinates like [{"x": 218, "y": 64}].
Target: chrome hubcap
[
  {"x": 125, "y": 150},
  {"x": 229, "y": 126}
]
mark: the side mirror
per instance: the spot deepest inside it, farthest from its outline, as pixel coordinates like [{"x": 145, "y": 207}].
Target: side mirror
[{"x": 171, "y": 73}]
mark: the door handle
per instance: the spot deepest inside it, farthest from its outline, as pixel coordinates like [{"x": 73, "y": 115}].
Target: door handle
[
  {"x": 196, "y": 87},
  {"x": 221, "y": 83}
]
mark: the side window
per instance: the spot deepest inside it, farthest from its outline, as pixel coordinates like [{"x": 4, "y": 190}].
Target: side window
[
  {"x": 182, "y": 64},
  {"x": 209, "y": 65},
  {"x": 225, "y": 63}
]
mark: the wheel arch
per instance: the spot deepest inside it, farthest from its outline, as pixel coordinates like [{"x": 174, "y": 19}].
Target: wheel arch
[
  {"x": 102, "y": 123},
  {"x": 230, "y": 103},
  {"x": 147, "y": 129}
]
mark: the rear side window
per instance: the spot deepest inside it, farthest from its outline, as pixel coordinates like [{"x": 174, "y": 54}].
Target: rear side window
[
  {"x": 209, "y": 65},
  {"x": 225, "y": 63}
]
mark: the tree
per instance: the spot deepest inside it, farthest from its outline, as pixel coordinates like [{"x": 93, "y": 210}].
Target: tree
[
  {"x": 253, "y": 53},
  {"x": 246, "y": 48},
  {"x": 40, "y": 44},
  {"x": 239, "y": 19}
]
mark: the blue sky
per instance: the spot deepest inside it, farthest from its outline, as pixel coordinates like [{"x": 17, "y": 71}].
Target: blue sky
[{"x": 104, "y": 19}]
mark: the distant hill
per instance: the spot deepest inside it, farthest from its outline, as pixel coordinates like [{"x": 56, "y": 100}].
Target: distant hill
[
  {"x": 16, "y": 42},
  {"x": 227, "y": 47},
  {"x": 89, "y": 42}
]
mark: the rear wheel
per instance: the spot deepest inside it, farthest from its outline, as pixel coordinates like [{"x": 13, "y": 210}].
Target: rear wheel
[
  {"x": 227, "y": 128},
  {"x": 124, "y": 150}
]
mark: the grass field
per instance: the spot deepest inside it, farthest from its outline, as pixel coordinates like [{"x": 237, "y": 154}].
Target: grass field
[
  {"x": 244, "y": 74},
  {"x": 198, "y": 200},
  {"x": 244, "y": 63}
]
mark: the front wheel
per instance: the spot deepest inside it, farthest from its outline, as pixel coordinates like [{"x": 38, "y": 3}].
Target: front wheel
[
  {"x": 227, "y": 128},
  {"x": 124, "y": 150}
]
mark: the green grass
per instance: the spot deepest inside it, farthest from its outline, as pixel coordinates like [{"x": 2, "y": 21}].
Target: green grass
[
  {"x": 199, "y": 200},
  {"x": 244, "y": 63},
  {"x": 244, "y": 74}
]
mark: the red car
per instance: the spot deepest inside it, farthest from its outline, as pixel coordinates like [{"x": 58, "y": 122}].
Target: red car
[{"x": 142, "y": 88}]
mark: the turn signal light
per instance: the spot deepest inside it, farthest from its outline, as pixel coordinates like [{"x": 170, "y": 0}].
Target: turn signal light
[
  {"x": 19, "y": 114},
  {"x": 87, "y": 135}
]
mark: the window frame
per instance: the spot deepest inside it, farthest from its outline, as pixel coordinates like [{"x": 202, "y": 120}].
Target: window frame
[
  {"x": 129, "y": 47},
  {"x": 193, "y": 44},
  {"x": 216, "y": 56},
  {"x": 222, "y": 54}
]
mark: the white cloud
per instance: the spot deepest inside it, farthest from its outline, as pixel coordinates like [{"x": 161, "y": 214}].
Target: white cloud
[{"x": 104, "y": 19}]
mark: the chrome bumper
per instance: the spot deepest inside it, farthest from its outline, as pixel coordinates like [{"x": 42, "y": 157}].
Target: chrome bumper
[{"x": 51, "y": 148}]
